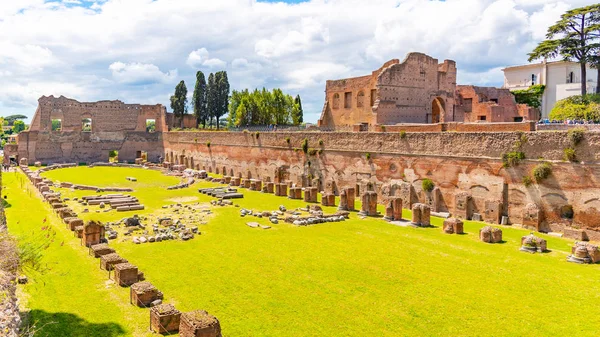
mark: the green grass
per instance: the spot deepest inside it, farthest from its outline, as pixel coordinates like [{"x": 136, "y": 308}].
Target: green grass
[{"x": 354, "y": 278}]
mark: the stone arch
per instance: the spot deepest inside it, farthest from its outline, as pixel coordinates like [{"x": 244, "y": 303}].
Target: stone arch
[
  {"x": 438, "y": 110},
  {"x": 336, "y": 101},
  {"x": 360, "y": 99}
]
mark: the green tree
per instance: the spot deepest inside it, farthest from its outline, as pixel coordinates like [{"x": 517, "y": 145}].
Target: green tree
[
  {"x": 531, "y": 96},
  {"x": 212, "y": 99},
  {"x": 298, "y": 116},
  {"x": 222, "y": 95},
  {"x": 574, "y": 36},
  {"x": 199, "y": 99},
  {"x": 18, "y": 126},
  {"x": 10, "y": 120},
  {"x": 179, "y": 102},
  {"x": 577, "y": 107}
]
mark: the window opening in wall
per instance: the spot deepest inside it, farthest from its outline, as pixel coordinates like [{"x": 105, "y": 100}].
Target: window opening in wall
[
  {"x": 113, "y": 156},
  {"x": 518, "y": 119},
  {"x": 482, "y": 118},
  {"x": 570, "y": 77},
  {"x": 347, "y": 100},
  {"x": 56, "y": 125},
  {"x": 495, "y": 100},
  {"x": 533, "y": 78},
  {"x": 86, "y": 125},
  {"x": 373, "y": 96},
  {"x": 566, "y": 212},
  {"x": 150, "y": 125},
  {"x": 468, "y": 104},
  {"x": 141, "y": 154},
  {"x": 336, "y": 101},
  {"x": 360, "y": 99}
]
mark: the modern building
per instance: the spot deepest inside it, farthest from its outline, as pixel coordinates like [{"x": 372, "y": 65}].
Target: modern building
[{"x": 561, "y": 78}]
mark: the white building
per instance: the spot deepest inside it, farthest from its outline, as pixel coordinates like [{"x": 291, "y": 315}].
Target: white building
[{"x": 562, "y": 79}]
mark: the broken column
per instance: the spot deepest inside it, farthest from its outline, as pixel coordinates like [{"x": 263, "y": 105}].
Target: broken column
[
  {"x": 462, "y": 202},
  {"x": 93, "y": 233},
  {"x": 396, "y": 203},
  {"x": 583, "y": 252},
  {"x": 270, "y": 187},
  {"x": 369, "y": 204},
  {"x": 531, "y": 244},
  {"x": 421, "y": 214},
  {"x": 143, "y": 294},
  {"x": 351, "y": 197}
]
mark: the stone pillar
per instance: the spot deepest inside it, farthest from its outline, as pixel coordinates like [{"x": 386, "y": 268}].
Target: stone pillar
[
  {"x": 532, "y": 216},
  {"x": 343, "y": 201},
  {"x": 462, "y": 206},
  {"x": 192, "y": 163},
  {"x": 351, "y": 197},
  {"x": 416, "y": 215},
  {"x": 270, "y": 187},
  {"x": 493, "y": 211},
  {"x": 307, "y": 194},
  {"x": 281, "y": 189},
  {"x": 389, "y": 211},
  {"x": 235, "y": 181},
  {"x": 258, "y": 185},
  {"x": 425, "y": 215},
  {"x": 396, "y": 208},
  {"x": 369, "y": 203},
  {"x": 453, "y": 225}
]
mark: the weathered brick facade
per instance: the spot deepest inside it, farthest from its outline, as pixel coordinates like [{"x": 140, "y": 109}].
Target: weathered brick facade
[{"x": 416, "y": 90}]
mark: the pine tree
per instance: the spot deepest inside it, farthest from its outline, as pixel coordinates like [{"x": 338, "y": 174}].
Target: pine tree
[
  {"x": 574, "y": 36},
  {"x": 222, "y": 95},
  {"x": 298, "y": 117},
  {"x": 199, "y": 99},
  {"x": 179, "y": 102}
]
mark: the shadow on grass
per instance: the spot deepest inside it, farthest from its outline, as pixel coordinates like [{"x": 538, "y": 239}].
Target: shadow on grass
[{"x": 60, "y": 324}]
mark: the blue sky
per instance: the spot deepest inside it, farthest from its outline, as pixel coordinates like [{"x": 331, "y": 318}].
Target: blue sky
[{"x": 138, "y": 50}]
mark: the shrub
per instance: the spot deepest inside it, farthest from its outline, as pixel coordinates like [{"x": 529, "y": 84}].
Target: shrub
[
  {"x": 402, "y": 134},
  {"x": 512, "y": 158},
  {"x": 305, "y": 145},
  {"x": 521, "y": 141},
  {"x": 569, "y": 154},
  {"x": 577, "y": 107},
  {"x": 320, "y": 151},
  {"x": 427, "y": 185},
  {"x": 542, "y": 171},
  {"x": 257, "y": 134},
  {"x": 321, "y": 142},
  {"x": 368, "y": 155},
  {"x": 576, "y": 135},
  {"x": 312, "y": 152},
  {"x": 208, "y": 144},
  {"x": 195, "y": 140},
  {"x": 383, "y": 128},
  {"x": 245, "y": 131},
  {"x": 287, "y": 140},
  {"x": 527, "y": 181}
]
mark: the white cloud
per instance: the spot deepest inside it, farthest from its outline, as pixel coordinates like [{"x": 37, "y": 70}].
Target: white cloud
[
  {"x": 64, "y": 47},
  {"x": 140, "y": 73},
  {"x": 200, "y": 57}
]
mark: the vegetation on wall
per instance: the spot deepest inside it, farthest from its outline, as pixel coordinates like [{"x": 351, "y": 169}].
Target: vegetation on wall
[
  {"x": 542, "y": 171},
  {"x": 569, "y": 154},
  {"x": 576, "y": 135},
  {"x": 305, "y": 145},
  {"x": 531, "y": 96},
  {"x": 527, "y": 181},
  {"x": 427, "y": 185}
]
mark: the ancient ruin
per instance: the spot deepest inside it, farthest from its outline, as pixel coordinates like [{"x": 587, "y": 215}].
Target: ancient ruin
[
  {"x": 532, "y": 244},
  {"x": 490, "y": 234}
]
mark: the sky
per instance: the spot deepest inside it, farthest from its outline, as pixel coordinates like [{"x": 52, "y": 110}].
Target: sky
[{"x": 138, "y": 50}]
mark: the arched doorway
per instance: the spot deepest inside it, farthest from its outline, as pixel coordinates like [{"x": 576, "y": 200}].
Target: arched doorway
[{"x": 437, "y": 110}]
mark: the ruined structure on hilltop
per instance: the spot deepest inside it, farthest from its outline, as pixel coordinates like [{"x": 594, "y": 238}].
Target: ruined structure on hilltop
[
  {"x": 416, "y": 90},
  {"x": 65, "y": 129}
]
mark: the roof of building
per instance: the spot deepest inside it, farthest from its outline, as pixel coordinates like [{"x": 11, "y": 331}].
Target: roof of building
[{"x": 531, "y": 65}]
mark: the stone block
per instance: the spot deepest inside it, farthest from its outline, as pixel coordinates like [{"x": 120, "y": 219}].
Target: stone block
[
  {"x": 93, "y": 233},
  {"x": 351, "y": 198},
  {"x": 281, "y": 189},
  {"x": 199, "y": 324},
  {"x": 74, "y": 223},
  {"x": 490, "y": 234},
  {"x": 493, "y": 211},
  {"x": 270, "y": 187},
  {"x": 462, "y": 206},
  {"x": 453, "y": 226},
  {"x": 125, "y": 274},
  {"x": 143, "y": 294},
  {"x": 328, "y": 199},
  {"x": 109, "y": 260},
  {"x": 369, "y": 204},
  {"x": 531, "y": 243},
  {"x": 575, "y": 234},
  {"x": 165, "y": 319},
  {"x": 101, "y": 249}
]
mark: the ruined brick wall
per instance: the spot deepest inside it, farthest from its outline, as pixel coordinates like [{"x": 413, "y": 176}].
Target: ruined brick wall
[
  {"x": 188, "y": 122},
  {"x": 488, "y": 104},
  {"x": 416, "y": 90},
  {"x": 109, "y": 125},
  {"x": 456, "y": 162}
]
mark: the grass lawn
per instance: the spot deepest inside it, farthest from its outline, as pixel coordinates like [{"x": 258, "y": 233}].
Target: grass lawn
[{"x": 353, "y": 278}]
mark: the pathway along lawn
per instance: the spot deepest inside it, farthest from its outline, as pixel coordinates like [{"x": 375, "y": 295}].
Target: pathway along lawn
[
  {"x": 71, "y": 298},
  {"x": 355, "y": 278}
]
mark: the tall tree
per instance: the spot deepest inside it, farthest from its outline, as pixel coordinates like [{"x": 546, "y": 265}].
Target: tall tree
[
  {"x": 179, "y": 102},
  {"x": 298, "y": 116},
  {"x": 574, "y": 36},
  {"x": 211, "y": 97},
  {"x": 222, "y": 95},
  {"x": 199, "y": 99}
]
